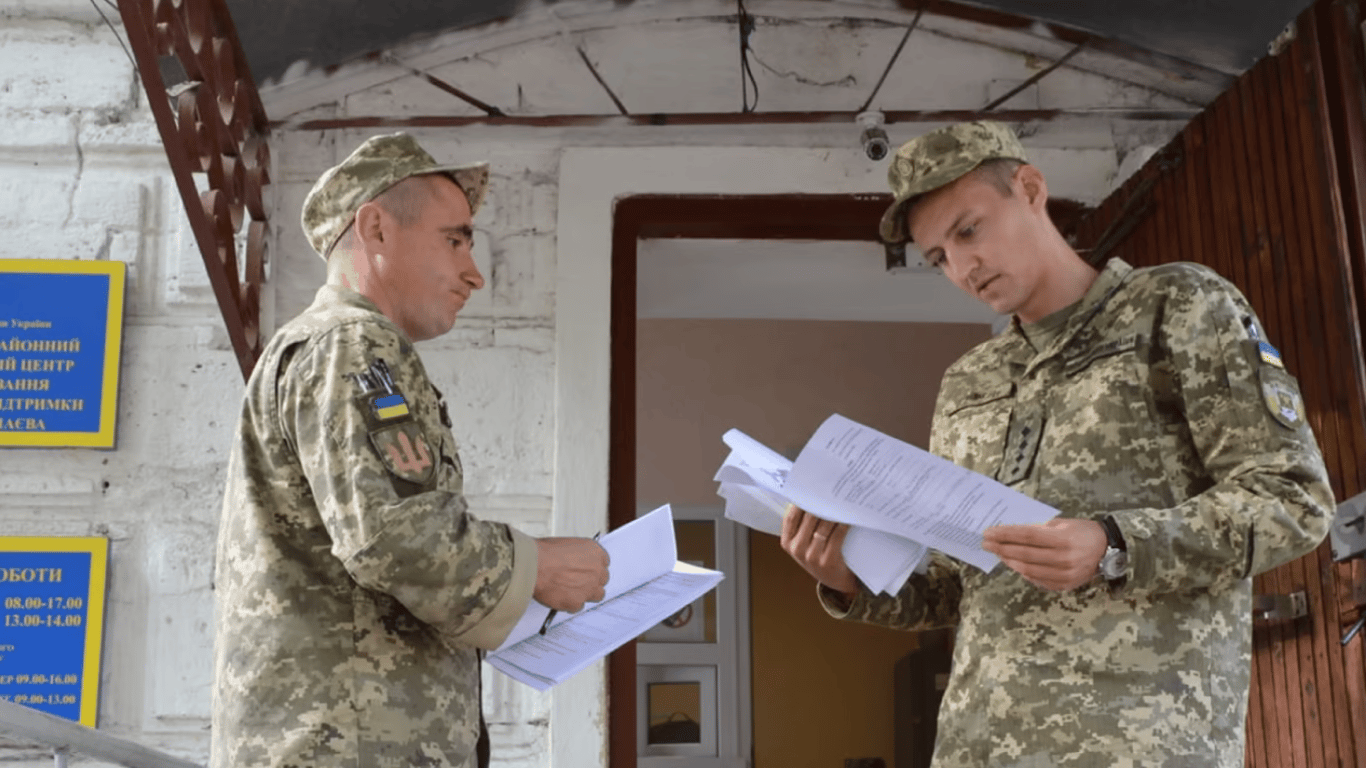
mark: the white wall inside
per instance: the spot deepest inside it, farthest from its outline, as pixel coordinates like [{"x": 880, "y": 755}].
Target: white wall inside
[
  {"x": 792, "y": 280},
  {"x": 83, "y": 176}
]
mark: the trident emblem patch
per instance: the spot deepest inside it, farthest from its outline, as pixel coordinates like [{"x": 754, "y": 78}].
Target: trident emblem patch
[
  {"x": 408, "y": 458},
  {"x": 405, "y": 451}
]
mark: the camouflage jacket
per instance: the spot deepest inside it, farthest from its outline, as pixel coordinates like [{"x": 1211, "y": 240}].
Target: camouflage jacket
[
  {"x": 352, "y": 587},
  {"x": 1160, "y": 404}
]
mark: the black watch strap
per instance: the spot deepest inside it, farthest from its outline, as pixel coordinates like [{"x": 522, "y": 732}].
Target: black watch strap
[{"x": 1113, "y": 537}]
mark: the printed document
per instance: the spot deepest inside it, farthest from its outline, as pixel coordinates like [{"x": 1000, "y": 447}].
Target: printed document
[
  {"x": 853, "y": 474},
  {"x": 850, "y": 473},
  {"x": 646, "y": 584},
  {"x": 751, "y": 482}
]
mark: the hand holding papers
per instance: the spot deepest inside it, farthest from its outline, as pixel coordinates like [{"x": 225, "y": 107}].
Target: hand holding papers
[
  {"x": 849, "y": 473},
  {"x": 648, "y": 584},
  {"x": 752, "y": 480}
]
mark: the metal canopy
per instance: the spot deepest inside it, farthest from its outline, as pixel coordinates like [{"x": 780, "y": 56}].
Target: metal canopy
[{"x": 1226, "y": 36}]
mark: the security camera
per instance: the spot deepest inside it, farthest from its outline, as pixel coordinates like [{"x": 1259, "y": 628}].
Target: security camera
[
  {"x": 875, "y": 143},
  {"x": 873, "y": 139}
]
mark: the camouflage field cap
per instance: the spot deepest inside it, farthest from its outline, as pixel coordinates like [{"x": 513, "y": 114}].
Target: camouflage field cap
[
  {"x": 376, "y": 165},
  {"x": 928, "y": 162}
]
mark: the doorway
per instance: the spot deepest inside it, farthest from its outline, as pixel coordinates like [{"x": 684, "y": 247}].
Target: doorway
[{"x": 679, "y": 382}]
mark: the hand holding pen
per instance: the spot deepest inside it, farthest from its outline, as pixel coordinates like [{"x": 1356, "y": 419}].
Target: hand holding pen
[{"x": 569, "y": 573}]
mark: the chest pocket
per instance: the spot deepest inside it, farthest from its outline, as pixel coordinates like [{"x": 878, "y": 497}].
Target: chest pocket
[
  {"x": 1076, "y": 361},
  {"x": 978, "y": 421},
  {"x": 1108, "y": 436},
  {"x": 1104, "y": 384}
]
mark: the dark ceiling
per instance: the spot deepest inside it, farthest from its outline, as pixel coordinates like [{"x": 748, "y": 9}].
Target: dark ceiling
[{"x": 1223, "y": 35}]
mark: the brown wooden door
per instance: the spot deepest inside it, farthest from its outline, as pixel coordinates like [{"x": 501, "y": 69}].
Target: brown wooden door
[{"x": 1265, "y": 187}]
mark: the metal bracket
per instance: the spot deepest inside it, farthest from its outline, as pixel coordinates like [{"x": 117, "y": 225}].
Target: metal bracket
[
  {"x": 1347, "y": 637},
  {"x": 1347, "y": 534},
  {"x": 1280, "y": 607}
]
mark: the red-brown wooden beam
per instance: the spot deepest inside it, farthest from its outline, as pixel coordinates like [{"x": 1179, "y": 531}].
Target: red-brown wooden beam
[
  {"x": 214, "y": 128},
  {"x": 780, "y": 217},
  {"x": 730, "y": 118}
]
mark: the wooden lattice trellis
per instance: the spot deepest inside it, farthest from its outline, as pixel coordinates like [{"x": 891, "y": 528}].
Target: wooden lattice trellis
[{"x": 214, "y": 130}]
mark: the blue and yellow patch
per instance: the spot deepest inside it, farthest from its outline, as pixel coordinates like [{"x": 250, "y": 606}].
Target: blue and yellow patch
[
  {"x": 1283, "y": 401},
  {"x": 391, "y": 406},
  {"x": 1269, "y": 354}
]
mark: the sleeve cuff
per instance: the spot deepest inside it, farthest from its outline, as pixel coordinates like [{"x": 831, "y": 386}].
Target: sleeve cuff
[
  {"x": 1135, "y": 528},
  {"x": 490, "y": 632},
  {"x": 834, "y": 602}
]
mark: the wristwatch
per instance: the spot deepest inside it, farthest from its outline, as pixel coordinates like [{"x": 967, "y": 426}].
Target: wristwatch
[{"x": 1114, "y": 564}]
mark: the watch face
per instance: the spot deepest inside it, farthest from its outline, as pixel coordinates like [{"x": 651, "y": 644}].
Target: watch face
[{"x": 1114, "y": 563}]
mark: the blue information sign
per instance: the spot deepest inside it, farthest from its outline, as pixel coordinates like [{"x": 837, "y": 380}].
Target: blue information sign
[
  {"x": 51, "y": 623},
  {"x": 60, "y": 331}
]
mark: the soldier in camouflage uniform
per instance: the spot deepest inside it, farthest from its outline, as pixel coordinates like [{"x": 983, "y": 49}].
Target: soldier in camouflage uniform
[
  {"x": 353, "y": 589},
  {"x": 1147, "y": 406}
]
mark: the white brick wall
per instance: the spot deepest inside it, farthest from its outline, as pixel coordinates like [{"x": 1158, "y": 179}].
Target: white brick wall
[{"x": 83, "y": 176}]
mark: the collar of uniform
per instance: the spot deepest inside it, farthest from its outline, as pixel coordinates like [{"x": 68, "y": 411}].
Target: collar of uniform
[
  {"x": 1018, "y": 351},
  {"x": 330, "y": 295},
  {"x": 1109, "y": 280},
  {"x": 1111, "y": 277}
]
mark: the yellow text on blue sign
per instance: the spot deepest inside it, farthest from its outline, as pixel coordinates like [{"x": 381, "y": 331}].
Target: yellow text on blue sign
[
  {"x": 52, "y": 623},
  {"x": 61, "y": 330}
]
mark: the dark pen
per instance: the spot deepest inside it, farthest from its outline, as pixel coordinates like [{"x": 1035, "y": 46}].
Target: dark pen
[{"x": 546, "y": 624}]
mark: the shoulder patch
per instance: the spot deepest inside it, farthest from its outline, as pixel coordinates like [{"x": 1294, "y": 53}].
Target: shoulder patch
[
  {"x": 405, "y": 451},
  {"x": 398, "y": 437},
  {"x": 1282, "y": 400},
  {"x": 1269, "y": 355},
  {"x": 390, "y": 407}
]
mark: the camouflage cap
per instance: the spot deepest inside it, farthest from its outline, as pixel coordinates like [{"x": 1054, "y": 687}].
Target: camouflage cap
[
  {"x": 929, "y": 162},
  {"x": 376, "y": 165}
]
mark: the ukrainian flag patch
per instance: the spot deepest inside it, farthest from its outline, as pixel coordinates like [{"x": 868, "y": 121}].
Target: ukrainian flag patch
[
  {"x": 391, "y": 406},
  {"x": 1269, "y": 354}
]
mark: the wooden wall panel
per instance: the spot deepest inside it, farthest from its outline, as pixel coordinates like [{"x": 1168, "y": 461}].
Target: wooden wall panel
[
  {"x": 1265, "y": 186},
  {"x": 1343, "y": 96}
]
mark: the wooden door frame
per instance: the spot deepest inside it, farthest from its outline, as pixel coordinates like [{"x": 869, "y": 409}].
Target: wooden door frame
[{"x": 750, "y": 217}]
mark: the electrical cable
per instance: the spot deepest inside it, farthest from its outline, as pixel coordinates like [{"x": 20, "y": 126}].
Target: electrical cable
[
  {"x": 895, "y": 54},
  {"x": 110, "y": 24},
  {"x": 747, "y": 79}
]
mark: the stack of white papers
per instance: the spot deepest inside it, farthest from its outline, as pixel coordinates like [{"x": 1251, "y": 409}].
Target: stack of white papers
[
  {"x": 647, "y": 584},
  {"x": 752, "y": 479},
  {"x": 899, "y": 500}
]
